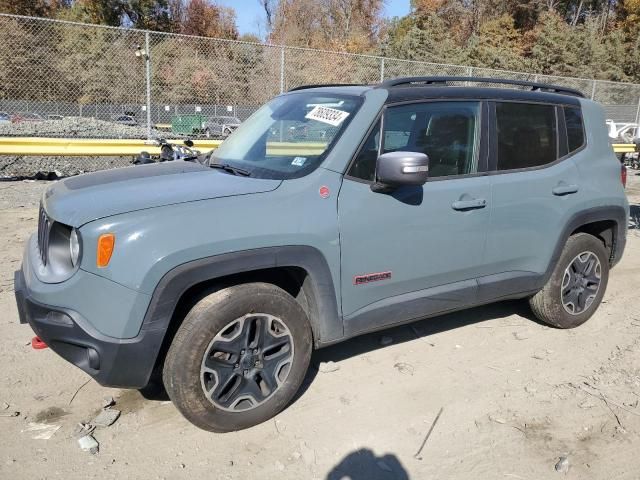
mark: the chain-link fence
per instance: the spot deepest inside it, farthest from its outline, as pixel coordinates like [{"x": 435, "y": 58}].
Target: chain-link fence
[
  {"x": 57, "y": 69},
  {"x": 65, "y": 79}
]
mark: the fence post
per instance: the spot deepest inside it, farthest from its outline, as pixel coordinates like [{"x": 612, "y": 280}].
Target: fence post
[
  {"x": 593, "y": 90},
  {"x": 638, "y": 114},
  {"x": 382, "y": 70},
  {"x": 147, "y": 63},
  {"x": 281, "y": 69}
]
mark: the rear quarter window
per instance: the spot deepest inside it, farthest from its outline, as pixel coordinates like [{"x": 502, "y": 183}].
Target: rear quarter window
[{"x": 575, "y": 128}]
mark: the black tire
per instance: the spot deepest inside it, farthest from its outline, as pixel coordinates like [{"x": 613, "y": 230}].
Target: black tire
[
  {"x": 206, "y": 321},
  {"x": 548, "y": 304}
]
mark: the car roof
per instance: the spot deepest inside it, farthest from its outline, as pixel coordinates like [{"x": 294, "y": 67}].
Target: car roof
[
  {"x": 406, "y": 94},
  {"x": 427, "y": 88},
  {"x": 334, "y": 89}
]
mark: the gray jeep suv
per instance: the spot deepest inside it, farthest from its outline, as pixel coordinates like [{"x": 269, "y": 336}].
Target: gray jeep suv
[{"x": 423, "y": 196}]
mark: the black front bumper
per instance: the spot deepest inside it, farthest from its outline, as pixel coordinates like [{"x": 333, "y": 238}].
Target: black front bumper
[{"x": 112, "y": 362}]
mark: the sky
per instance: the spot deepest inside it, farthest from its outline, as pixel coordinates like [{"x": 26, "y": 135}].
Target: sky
[{"x": 251, "y": 17}]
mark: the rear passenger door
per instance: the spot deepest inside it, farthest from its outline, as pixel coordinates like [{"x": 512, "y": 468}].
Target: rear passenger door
[{"x": 535, "y": 190}]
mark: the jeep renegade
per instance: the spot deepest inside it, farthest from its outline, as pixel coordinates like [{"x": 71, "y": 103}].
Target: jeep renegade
[{"x": 392, "y": 203}]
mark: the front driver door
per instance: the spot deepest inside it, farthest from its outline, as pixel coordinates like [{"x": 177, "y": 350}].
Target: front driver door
[{"x": 417, "y": 250}]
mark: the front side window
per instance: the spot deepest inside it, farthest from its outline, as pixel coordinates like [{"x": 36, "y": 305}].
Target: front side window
[
  {"x": 526, "y": 135},
  {"x": 447, "y": 132},
  {"x": 364, "y": 165},
  {"x": 575, "y": 131},
  {"x": 289, "y": 136}
]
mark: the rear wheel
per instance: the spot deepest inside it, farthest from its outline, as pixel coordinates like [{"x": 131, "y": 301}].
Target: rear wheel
[
  {"x": 576, "y": 287},
  {"x": 239, "y": 357}
]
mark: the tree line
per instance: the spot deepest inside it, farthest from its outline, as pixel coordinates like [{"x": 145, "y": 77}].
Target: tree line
[
  {"x": 589, "y": 38},
  {"x": 60, "y": 62}
]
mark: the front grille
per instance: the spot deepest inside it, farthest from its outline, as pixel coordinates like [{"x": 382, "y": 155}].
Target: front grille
[{"x": 44, "y": 227}]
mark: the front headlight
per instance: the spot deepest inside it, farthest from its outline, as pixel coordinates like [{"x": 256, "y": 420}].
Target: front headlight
[
  {"x": 74, "y": 247},
  {"x": 64, "y": 251}
]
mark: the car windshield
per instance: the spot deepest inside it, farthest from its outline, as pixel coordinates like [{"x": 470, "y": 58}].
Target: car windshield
[{"x": 289, "y": 136}]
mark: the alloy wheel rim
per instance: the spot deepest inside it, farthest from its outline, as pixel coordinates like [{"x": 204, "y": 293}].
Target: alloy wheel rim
[
  {"x": 581, "y": 282},
  {"x": 247, "y": 362}
]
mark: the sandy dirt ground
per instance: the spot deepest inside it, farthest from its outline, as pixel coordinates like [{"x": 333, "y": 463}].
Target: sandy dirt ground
[{"x": 514, "y": 397}]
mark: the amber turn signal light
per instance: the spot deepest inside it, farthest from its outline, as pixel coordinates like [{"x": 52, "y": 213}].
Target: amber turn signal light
[{"x": 106, "y": 242}]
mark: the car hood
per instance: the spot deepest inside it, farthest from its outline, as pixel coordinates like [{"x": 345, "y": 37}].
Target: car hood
[{"x": 78, "y": 200}]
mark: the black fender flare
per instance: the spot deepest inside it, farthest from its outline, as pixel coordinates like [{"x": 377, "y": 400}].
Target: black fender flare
[
  {"x": 327, "y": 323},
  {"x": 591, "y": 215}
]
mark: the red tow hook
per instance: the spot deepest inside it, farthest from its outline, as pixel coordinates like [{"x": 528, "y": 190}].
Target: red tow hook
[{"x": 38, "y": 344}]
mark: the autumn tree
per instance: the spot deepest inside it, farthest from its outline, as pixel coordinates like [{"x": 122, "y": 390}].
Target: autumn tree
[
  {"x": 350, "y": 25},
  {"x": 424, "y": 38},
  {"x": 206, "y": 19},
  {"x": 498, "y": 45},
  {"x": 35, "y": 8}
]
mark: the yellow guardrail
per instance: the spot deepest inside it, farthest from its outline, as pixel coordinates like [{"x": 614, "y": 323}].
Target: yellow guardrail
[
  {"x": 83, "y": 147},
  {"x": 88, "y": 147},
  {"x": 624, "y": 147}
]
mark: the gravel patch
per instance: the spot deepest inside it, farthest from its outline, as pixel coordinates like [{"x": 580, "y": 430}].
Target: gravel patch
[
  {"x": 50, "y": 168},
  {"x": 76, "y": 127}
]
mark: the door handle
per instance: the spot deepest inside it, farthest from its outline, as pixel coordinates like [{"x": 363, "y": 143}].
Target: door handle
[
  {"x": 564, "y": 189},
  {"x": 463, "y": 205}
]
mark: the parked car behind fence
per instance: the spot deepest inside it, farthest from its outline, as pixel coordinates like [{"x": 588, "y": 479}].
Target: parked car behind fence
[
  {"x": 126, "y": 120},
  {"x": 220, "y": 126},
  {"x": 26, "y": 117}
]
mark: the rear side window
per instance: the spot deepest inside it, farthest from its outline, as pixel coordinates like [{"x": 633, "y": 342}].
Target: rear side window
[
  {"x": 527, "y": 135},
  {"x": 575, "y": 131}
]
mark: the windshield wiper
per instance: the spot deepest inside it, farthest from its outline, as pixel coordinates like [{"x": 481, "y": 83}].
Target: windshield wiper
[{"x": 232, "y": 170}]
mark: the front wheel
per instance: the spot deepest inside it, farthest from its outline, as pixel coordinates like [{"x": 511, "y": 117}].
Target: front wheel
[
  {"x": 239, "y": 357},
  {"x": 576, "y": 287}
]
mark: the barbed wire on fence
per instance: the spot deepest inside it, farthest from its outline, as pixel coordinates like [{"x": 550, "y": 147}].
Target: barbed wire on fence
[{"x": 101, "y": 74}]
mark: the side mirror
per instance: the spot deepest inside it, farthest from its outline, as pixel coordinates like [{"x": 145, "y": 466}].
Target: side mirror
[{"x": 397, "y": 169}]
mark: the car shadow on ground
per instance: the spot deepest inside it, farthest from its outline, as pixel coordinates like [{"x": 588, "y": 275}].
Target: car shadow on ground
[
  {"x": 363, "y": 464},
  {"x": 421, "y": 329}
]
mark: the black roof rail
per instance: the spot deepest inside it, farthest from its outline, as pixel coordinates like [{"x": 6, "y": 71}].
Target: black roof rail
[
  {"x": 418, "y": 81},
  {"x": 320, "y": 85}
]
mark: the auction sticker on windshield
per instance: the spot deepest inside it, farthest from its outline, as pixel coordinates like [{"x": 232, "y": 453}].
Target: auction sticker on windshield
[{"x": 328, "y": 115}]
